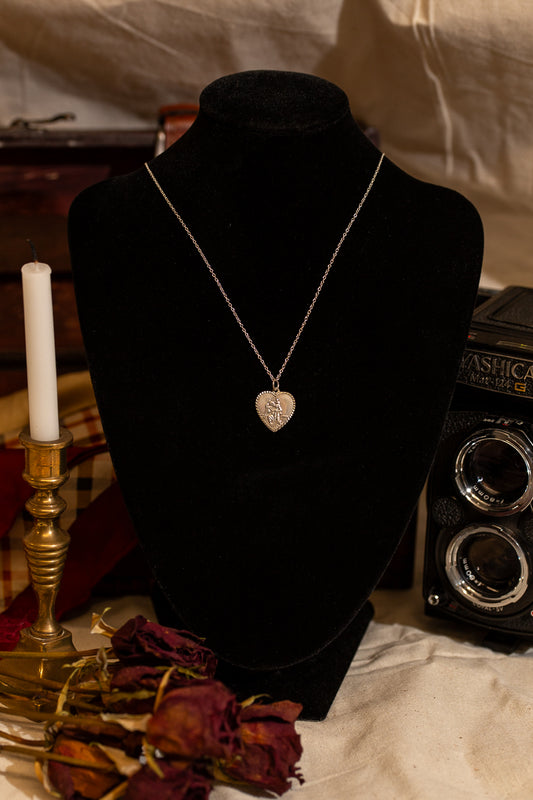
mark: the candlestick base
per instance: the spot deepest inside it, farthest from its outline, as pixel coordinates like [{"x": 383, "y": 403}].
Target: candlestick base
[
  {"x": 29, "y": 676},
  {"x": 46, "y": 546}
]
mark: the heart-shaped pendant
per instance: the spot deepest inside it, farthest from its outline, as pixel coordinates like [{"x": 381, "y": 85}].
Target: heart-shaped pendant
[{"x": 275, "y": 408}]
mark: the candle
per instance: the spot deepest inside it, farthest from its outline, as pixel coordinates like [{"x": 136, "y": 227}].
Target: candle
[{"x": 40, "y": 352}]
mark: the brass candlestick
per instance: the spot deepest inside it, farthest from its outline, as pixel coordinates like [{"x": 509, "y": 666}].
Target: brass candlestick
[{"x": 46, "y": 546}]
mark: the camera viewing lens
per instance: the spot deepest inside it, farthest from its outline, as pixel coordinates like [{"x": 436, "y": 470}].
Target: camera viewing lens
[
  {"x": 498, "y": 468},
  {"x": 493, "y": 470},
  {"x": 487, "y": 566}
]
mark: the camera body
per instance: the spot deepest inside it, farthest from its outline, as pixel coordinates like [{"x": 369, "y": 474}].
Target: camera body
[{"x": 479, "y": 541}]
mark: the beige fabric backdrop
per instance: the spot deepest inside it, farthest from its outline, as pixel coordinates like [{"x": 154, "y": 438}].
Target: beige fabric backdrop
[{"x": 449, "y": 85}]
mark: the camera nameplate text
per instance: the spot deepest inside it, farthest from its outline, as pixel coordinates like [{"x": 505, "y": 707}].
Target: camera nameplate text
[{"x": 497, "y": 373}]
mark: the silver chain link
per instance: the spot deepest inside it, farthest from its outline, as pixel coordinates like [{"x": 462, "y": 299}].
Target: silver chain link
[{"x": 274, "y": 379}]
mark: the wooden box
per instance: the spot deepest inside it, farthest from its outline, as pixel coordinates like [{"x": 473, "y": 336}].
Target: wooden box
[{"x": 41, "y": 171}]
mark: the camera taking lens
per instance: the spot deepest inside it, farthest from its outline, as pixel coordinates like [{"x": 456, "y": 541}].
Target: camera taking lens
[{"x": 487, "y": 566}]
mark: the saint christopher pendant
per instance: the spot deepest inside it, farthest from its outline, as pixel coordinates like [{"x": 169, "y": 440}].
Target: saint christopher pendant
[{"x": 275, "y": 408}]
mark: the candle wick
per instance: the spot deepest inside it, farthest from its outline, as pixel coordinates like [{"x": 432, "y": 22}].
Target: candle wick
[{"x": 33, "y": 250}]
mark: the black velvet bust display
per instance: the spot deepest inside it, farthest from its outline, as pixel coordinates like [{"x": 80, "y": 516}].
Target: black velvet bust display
[{"x": 269, "y": 544}]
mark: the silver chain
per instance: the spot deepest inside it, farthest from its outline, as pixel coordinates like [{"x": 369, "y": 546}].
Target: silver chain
[{"x": 274, "y": 379}]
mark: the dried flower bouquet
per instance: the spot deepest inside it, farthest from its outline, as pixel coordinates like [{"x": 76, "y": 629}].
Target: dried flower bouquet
[{"x": 146, "y": 719}]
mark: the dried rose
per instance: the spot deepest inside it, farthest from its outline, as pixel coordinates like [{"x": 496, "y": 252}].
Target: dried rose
[
  {"x": 92, "y": 727},
  {"x": 110, "y": 733},
  {"x": 271, "y": 747},
  {"x": 139, "y": 641},
  {"x": 176, "y": 784},
  {"x": 131, "y": 679},
  {"x": 81, "y": 782},
  {"x": 198, "y": 720},
  {"x": 134, "y": 689}
]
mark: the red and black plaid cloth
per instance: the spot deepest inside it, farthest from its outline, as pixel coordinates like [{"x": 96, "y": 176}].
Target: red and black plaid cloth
[{"x": 103, "y": 550}]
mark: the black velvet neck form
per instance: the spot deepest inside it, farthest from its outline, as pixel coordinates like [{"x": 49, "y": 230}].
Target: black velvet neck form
[
  {"x": 274, "y": 103},
  {"x": 269, "y": 544}
]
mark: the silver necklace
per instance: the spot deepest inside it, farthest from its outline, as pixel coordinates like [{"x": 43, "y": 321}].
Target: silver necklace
[{"x": 274, "y": 407}]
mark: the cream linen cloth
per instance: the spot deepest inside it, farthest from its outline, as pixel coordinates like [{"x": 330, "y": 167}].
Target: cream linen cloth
[{"x": 448, "y": 85}]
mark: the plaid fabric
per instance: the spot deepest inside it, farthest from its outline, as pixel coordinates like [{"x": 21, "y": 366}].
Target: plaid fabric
[
  {"x": 14, "y": 570},
  {"x": 91, "y": 472}
]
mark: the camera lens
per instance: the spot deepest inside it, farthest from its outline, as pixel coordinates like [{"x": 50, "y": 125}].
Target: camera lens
[
  {"x": 487, "y": 566},
  {"x": 492, "y": 561},
  {"x": 493, "y": 470},
  {"x": 498, "y": 468}
]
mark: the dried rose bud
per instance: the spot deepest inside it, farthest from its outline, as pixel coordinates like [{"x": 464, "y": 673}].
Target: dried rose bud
[
  {"x": 198, "y": 720},
  {"x": 87, "y": 729},
  {"x": 271, "y": 747},
  {"x": 176, "y": 784},
  {"x": 91, "y": 727},
  {"x": 139, "y": 641},
  {"x": 134, "y": 689},
  {"x": 81, "y": 782},
  {"x": 130, "y": 679}
]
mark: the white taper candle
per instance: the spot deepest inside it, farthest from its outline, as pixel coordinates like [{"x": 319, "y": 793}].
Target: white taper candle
[{"x": 40, "y": 351}]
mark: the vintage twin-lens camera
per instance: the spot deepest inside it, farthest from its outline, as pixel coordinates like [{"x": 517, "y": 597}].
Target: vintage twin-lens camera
[{"x": 479, "y": 543}]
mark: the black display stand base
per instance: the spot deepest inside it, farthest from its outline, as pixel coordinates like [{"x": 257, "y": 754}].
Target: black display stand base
[{"x": 314, "y": 682}]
